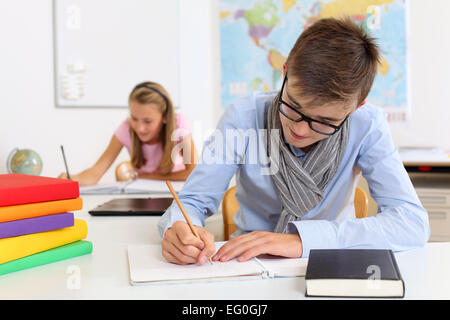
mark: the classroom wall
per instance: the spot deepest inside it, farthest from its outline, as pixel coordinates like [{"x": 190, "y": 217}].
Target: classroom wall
[
  {"x": 429, "y": 47},
  {"x": 29, "y": 119}
]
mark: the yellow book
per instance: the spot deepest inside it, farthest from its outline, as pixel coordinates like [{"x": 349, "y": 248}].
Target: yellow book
[
  {"x": 23, "y": 246},
  {"x": 30, "y": 210}
]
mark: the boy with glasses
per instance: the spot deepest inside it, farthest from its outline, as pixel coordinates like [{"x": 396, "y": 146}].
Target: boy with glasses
[{"x": 319, "y": 136}]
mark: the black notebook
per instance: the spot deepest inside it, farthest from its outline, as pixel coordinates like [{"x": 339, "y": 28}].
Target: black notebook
[
  {"x": 353, "y": 273},
  {"x": 133, "y": 207}
]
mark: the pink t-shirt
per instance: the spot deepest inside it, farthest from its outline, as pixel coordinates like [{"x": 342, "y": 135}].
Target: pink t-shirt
[{"x": 154, "y": 152}]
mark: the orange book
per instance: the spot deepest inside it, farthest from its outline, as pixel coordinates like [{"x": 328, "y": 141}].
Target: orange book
[{"x": 30, "y": 210}]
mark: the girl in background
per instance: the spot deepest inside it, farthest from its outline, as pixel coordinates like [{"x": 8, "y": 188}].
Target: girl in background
[{"x": 158, "y": 140}]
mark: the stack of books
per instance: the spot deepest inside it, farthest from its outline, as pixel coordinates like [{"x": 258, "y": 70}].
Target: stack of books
[{"x": 36, "y": 223}]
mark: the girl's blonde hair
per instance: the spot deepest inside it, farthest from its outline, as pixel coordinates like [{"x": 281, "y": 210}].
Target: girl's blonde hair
[{"x": 151, "y": 92}]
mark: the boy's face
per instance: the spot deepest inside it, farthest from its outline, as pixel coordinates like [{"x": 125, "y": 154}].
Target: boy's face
[{"x": 300, "y": 134}]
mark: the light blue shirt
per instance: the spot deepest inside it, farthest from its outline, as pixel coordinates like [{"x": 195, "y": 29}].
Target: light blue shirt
[{"x": 400, "y": 224}]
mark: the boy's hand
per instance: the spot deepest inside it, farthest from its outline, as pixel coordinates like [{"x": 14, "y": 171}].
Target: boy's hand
[
  {"x": 181, "y": 246},
  {"x": 255, "y": 243}
]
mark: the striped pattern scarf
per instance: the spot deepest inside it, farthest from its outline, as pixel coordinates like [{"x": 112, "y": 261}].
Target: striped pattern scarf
[{"x": 300, "y": 183}]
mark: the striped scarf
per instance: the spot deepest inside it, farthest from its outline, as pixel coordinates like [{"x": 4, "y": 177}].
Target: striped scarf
[{"x": 300, "y": 183}]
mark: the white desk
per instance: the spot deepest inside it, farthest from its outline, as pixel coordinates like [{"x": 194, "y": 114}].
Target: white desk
[
  {"x": 104, "y": 274},
  {"x": 424, "y": 157}
]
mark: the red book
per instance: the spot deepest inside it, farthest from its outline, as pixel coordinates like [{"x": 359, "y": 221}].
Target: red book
[{"x": 22, "y": 188}]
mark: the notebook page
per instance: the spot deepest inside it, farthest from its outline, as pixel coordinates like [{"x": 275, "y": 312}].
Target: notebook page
[
  {"x": 284, "y": 267},
  {"x": 148, "y": 265},
  {"x": 103, "y": 188},
  {"x": 152, "y": 186}
]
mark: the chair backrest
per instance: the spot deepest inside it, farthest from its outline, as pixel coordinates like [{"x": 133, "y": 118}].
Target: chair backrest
[
  {"x": 361, "y": 203},
  {"x": 230, "y": 206}
]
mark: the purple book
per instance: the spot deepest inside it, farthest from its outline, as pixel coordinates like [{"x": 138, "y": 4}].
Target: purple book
[{"x": 37, "y": 224}]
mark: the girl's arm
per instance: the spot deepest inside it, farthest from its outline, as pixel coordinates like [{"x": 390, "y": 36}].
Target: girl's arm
[
  {"x": 190, "y": 161},
  {"x": 94, "y": 173}
]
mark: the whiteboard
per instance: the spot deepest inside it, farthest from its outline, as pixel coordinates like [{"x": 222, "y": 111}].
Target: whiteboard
[{"x": 103, "y": 48}]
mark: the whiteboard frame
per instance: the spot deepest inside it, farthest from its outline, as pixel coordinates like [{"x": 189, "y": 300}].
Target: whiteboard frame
[{"x": 58, "y": 104}]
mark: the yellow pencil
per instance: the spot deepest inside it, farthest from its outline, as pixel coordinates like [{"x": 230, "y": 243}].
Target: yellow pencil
[{"x": 183, "y": 211}]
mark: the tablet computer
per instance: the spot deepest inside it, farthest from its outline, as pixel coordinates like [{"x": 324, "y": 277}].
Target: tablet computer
[{"x": 133, "y": 207}]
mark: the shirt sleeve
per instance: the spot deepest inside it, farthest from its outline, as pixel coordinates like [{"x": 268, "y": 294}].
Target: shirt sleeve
[
  {"x": 206, "y": 185},
  {"x": 401, "y": 222},
  {"x": 182, "y": 128},
  {"x": 122, "y": 133}
]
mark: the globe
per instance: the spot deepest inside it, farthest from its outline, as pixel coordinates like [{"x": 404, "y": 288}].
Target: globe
[
  {"x": 25, "y": 161},
  {"x": 125, "y": 172}
]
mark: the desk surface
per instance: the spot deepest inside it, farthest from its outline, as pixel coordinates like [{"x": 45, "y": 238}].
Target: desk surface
[
  {"x": 433, "y": 157},
  {"x": 104, "y": 274}
]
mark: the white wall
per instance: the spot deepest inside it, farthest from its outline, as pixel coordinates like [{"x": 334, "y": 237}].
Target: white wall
[
  {"x": 29, "y": 119},
  {"x": 430, "y": 76}
]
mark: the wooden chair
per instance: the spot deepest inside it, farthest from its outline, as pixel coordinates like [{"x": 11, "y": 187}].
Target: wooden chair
[
  {"x": 361, "y": 202},
  {"x": 230, "y": 206}
]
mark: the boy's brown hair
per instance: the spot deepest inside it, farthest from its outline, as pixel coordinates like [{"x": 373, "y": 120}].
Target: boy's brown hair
[{"x": 334, "y": 60}]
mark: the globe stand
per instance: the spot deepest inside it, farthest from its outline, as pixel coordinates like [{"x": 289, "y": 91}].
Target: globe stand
[{"x": 8, "y": 161}]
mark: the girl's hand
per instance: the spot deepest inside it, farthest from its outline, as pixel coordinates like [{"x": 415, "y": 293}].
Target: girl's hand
[
  {"x": 84, "y": 178},
  {"x": 74, "y": 177},
  {"x": 62, "y": 176},
  {"x": 255, "y": 243}
]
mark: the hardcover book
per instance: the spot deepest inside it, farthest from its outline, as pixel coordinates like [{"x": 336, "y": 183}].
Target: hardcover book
[
  {"x": 23, "y": 246},
  {"x": 353, "y": 273},
  {"x": 23, "y": 188},
  {"x": 30, "y": 210},
  {"x": 37, "y": 224},
  {"x": 67, "y": 251}
]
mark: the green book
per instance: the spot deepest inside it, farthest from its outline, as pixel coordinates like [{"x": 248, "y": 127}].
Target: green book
[{"x": 74, "y": 249}]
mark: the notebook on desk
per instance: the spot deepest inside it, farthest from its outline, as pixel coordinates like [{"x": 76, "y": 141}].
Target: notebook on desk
[
  {"x": 133, "y": 207},
  {"x": 139, "y": 186},
  {"x": 148, "y": 266}
]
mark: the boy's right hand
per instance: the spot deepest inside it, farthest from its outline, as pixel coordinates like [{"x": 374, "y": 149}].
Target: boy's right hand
[{"x": 181, "y": 246}]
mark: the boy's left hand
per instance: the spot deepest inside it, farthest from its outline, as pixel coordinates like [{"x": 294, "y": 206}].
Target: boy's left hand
[{"x": 252, "y": 244}]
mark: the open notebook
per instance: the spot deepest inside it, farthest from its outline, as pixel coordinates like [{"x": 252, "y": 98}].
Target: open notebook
[
  {"x": 148, "y": 266},
  {"x": 139, "y": 186}
]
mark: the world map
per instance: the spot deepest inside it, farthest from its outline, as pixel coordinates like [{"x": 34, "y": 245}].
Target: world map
[{"x": 257, "y": 36}]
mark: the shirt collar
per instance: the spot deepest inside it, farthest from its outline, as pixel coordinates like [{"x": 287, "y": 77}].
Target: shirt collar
[{"x": 299, "y": 153}]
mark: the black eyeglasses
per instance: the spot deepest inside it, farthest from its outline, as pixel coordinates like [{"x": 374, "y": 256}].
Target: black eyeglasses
[{"x": 294, "y": 115}]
